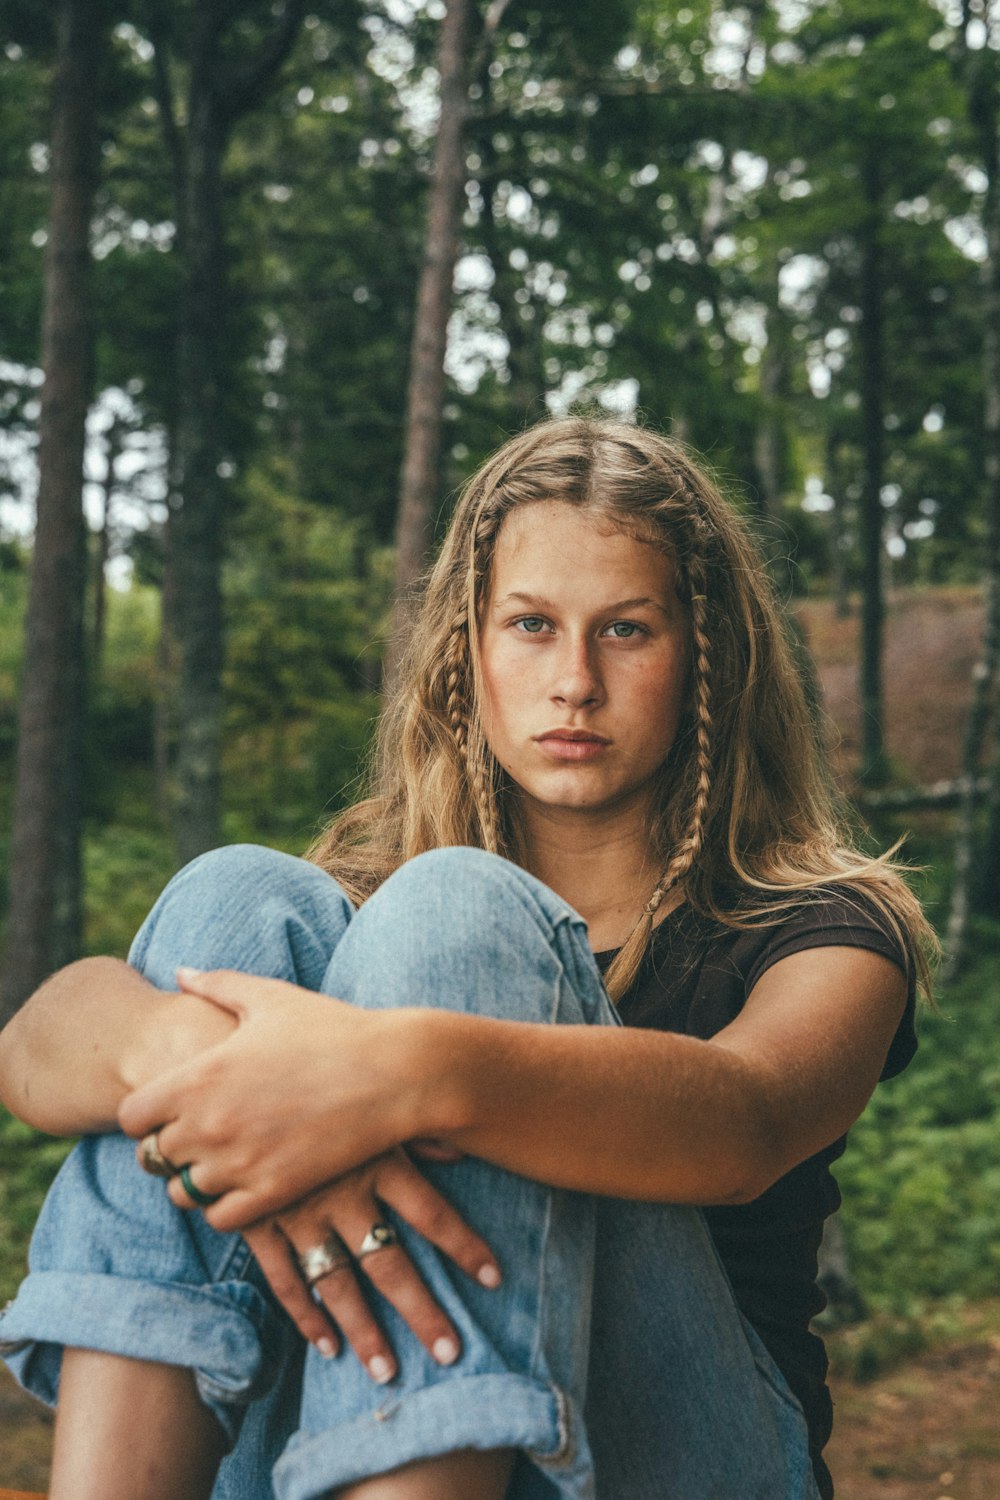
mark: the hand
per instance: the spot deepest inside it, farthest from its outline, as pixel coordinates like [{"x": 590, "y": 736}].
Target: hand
[
  {"x": 305, "y": 1089},
  {"x": 349, "y": 1207}
]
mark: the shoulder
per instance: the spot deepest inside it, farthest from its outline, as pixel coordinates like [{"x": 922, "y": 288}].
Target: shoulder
[
  {"x": 831, "y": 916},
  {"x": 707, "y": 969}
]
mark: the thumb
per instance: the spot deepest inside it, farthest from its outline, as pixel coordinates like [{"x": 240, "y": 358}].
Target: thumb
[{"x": 239, "y": 994}]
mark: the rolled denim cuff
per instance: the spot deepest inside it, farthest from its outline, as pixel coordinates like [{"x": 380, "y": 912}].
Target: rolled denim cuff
[
  {"x": 484, "y": 1412},
  {"x": 218, "y": 1332}
]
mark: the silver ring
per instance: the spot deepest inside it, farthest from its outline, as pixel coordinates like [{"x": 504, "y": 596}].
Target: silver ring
[
  {"x": 319, "y": 1260},
  {"x": 152, "y": 1159},
  {"x": 379, "y": 1237}
]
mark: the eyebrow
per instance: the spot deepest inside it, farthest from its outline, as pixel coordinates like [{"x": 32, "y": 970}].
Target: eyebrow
[{"x": 538, "y": 602}]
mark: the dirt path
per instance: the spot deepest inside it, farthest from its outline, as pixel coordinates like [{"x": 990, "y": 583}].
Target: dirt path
[{"x": 928, "y": 1430}]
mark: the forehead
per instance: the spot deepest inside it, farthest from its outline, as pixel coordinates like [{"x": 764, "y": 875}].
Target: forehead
[{"x": 550, "y": 542}]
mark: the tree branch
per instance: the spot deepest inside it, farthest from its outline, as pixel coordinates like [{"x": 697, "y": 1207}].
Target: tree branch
[
  {"x": 241, "y": 89},
  {"x": 487, "y": 35},
  {"x": 172, "y": 134}
]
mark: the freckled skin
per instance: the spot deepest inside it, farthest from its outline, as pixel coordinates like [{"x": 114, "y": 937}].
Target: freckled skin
[{"x": 582, "y": 631}]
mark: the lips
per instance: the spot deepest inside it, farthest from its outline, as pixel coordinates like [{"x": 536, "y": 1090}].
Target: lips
[
  {"x": 571, "y": 744},
  {"x": 572, "y": 737}
]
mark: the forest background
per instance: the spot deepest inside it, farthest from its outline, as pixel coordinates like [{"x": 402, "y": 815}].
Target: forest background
[{"x": 275, "y": 277}]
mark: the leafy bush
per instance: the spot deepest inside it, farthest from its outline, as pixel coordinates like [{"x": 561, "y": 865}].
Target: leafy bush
[{"x": 921, "y": 1176}]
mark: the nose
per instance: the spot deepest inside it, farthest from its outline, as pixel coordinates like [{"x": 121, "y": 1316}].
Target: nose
[{"x": 576, "y": 682}]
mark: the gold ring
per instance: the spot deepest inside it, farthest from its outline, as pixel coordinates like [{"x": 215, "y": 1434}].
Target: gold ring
[{"x": 152, "y": 1159}]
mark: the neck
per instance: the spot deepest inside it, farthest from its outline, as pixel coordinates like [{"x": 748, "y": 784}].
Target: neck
[{"x": 602, "y": 865}]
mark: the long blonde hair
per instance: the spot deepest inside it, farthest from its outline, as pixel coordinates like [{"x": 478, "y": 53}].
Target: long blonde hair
[{"x": 745, "y": 818}]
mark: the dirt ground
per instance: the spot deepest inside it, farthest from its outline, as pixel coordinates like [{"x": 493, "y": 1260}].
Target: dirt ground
[
  {"x": 927, "y": 1430},
  {"x": 932, "y": 640}
]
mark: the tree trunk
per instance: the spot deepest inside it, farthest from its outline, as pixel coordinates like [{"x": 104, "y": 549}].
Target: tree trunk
[
  {"x": 845, "y": 1303},
  {"x": 220, "y": 92},
  {"x": 873, "y": 769},
  {"x": 44, "y": 916},
  {"x": 197, "y": 520},
  {"x": 421, "y": 472},
  {"x": 839, "y": 529},
  {"x": 986, "y": 117},
  {"x": 113, "y": 442}
]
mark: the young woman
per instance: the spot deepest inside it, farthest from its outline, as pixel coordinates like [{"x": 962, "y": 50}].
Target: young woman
[{"x": 396, "y": 1087}]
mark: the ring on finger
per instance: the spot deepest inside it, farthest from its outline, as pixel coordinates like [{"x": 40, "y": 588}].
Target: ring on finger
[
  {"x": 319, "y": 1260},
  {"x": 152, "y": 1159},
  {"x": 203, "y": 1200},
  {"x": 379, "y": 1237}
]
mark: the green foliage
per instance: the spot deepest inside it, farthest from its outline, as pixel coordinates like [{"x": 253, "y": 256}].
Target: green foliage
[
  {"x": 126, "y": 868},
  {"x": 921, "y": 1176},
  {"x": 306, "y": 599},
  {"x": 28, "y": 1163}
]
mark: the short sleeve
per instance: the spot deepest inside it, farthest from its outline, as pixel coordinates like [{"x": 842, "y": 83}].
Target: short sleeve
[{"x": 840, "y": 918}]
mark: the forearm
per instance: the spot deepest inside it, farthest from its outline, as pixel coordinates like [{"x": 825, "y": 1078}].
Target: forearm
[
  {"x": 89, "y": 1035},
  {"x": 628, "y": 1113}
]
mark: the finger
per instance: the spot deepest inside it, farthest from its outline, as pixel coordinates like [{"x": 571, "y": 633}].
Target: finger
[
  {"x": 344, "y": 1300},
  {"x": 407, "y": 1190},
  {"x": 227, "y": 988},
  {"x": 392, "y": 1272},
  {"x": 184, "y": 1192},
  {"x": 140, "y": 1111},
  {"x": 243, "y": 1206},
  {"x": 275, "y": 1256},
  {"x": 432, "y": 1150}
]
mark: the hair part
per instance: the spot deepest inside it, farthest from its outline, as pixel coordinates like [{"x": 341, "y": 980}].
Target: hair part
[{"x": 745, "y": 821}]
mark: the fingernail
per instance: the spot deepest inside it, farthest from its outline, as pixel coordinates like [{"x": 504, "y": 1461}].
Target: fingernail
[
  {"x": 445, "y": 1351},
  {"x": 380, "y": 1369},
  {"x": 488, "y": 1276},
  {"x": 326, "y": 1347},
  {"x": 188, "y": 976}
]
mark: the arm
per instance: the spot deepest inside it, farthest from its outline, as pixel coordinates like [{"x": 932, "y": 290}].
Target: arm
[
  {"x": 89, "y": 1035},
  {"x": 631, "y": 1113},
  {"x": 654, "y": 1115}
]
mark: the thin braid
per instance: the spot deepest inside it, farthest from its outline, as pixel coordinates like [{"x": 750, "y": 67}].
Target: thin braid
[
  {"x": 690, "y": 846},
  {"x": 456, "y": 667},
  {"x": 473, "y": 749}
]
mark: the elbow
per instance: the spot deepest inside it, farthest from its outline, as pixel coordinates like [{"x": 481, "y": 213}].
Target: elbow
[
  {"x": 760, "y": 1158},
  {"x": 18, "y": 1065},
  {"x": 15, "y": 1070}
]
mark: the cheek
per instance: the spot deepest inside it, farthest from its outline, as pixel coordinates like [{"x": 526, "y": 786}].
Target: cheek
[
  {"x": 500, "y": 695},
  {"x": 661, "y": 696}
]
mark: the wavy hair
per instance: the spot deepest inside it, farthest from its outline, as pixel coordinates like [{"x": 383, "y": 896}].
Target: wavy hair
[{"x": 745, "y": 817}]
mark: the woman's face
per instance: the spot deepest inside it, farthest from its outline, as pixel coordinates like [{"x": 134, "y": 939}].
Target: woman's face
[{"x": 585, "y": 647}]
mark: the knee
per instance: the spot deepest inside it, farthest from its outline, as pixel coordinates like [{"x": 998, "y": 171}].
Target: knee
[
  {"x": 452, "y": 888},
  {"x": 462, "y": 897},
  {"x": 244, "y": 906},
  {"x": 245, "y": 876}
]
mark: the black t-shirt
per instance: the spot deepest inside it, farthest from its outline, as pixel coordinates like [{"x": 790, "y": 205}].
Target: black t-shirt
[{"x": 695, "y": 979}]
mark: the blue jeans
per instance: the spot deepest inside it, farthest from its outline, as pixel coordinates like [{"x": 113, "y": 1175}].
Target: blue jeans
[{"x": 613, "y": 1357}]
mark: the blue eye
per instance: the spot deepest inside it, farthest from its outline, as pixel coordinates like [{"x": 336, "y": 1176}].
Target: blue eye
[
  {"x": 624, "y": 630},
  {"x": 532, "y": 624}
]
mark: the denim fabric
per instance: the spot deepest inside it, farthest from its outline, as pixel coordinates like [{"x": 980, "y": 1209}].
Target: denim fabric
[{"x": 681, "y": 1399}]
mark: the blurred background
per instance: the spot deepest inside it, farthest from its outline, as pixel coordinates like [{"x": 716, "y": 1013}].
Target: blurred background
[{"x": 275, "y": 277}]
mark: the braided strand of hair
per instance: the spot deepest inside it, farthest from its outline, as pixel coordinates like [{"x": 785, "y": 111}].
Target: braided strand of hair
[
  {"x": 457, "y": 670},
  {"x": 456, "y": 665},
  {"x": 690, "y": 846}
]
